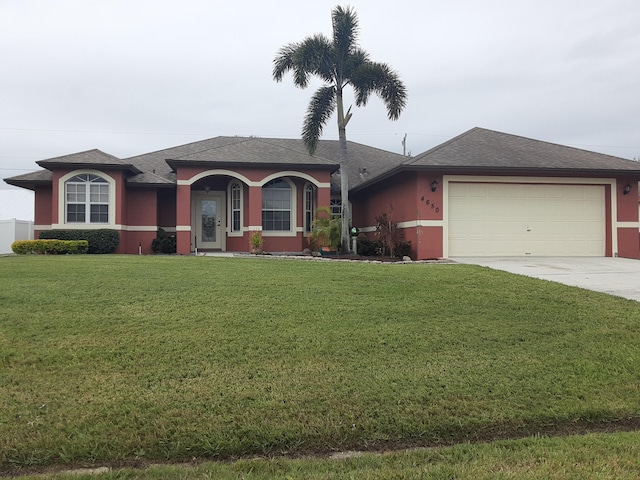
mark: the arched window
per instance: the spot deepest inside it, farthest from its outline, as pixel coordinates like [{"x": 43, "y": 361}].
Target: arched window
[
  {"x": 276, "y": 206},
  {"x": 87, "y": 199},
  {"x": 235, "y": 196},
  {"x": 309, "y": 206}
]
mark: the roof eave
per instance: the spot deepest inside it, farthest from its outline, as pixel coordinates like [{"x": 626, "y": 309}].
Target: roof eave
[
  {"x": 556, "y": 172},
  {"x": 102, "y": 166},
  {"x": 28, "y": 184}
]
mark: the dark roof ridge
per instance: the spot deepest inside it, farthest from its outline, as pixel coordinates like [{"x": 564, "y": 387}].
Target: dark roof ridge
[
  {"x": 440, "y": 146},
  {"x": 374, "y": 148},
  {"x": 591, "y": 152},
  {"x": 240, "y": 140},
  {"x": 91, "y": 150},
  {"x": 180, "y": 146},
  {"x": 266, "y": 140}
]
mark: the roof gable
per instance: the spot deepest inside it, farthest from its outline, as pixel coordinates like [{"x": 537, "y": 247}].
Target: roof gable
[{"x": 89, "y": 158}]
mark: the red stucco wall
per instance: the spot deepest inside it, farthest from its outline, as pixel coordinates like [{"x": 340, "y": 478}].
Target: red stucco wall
[
  {"x": 406, "y": 198},
  {"x": 628, "y": 243},
  {"x": 166, "y": 208},
  {"x": 429, "y": 243},
  {"x": 627, "y": 207},
  {"x": 140, "y": 207},
  {"x": 396, "y": 197},
  {"x": 43, "y": 206}
]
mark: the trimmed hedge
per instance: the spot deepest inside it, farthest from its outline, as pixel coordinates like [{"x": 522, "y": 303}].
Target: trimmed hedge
[
  {"x": 100, "y": 241},
  {"x": 54, "y": 247},
  {"x": 164, "y": 243}
]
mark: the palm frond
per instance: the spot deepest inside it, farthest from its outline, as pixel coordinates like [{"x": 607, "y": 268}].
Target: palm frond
[
  {"x": 284, "y": 61},
  {"x": 321, "y": 107},
  {"x": 353, "y": 63},
  {"x": 311, "y": 56},
  {"x": 379, "y": 78},
  {"x": 345, "y": 32},
  {"x": 315, "y": 56}
]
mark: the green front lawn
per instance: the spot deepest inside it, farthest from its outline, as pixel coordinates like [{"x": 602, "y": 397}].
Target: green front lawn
[{"x": 107, "y": 359}]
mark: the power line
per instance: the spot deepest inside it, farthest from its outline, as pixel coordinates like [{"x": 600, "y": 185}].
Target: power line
[
  {"x": 116, "y": 132},
  {"x": 96, "y": 131}
]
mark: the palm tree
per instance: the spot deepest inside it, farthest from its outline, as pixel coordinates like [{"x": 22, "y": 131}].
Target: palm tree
[{"x": 338, "y": 62}]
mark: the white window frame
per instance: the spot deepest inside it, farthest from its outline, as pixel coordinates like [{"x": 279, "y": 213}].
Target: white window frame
[
  {"x": 292, "y": 209},
  {"x": 88, "y": 191},
  {"x": 233, "y": 208},
  {"x": 87, "y": 224},
  {"x": 310, "y": 205}
]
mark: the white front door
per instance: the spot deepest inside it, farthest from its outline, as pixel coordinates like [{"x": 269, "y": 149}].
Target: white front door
[{"x": 209, "y": 220}]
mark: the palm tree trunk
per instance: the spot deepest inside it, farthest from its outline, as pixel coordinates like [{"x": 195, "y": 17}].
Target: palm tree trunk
[{"x": 344, "y": 175}]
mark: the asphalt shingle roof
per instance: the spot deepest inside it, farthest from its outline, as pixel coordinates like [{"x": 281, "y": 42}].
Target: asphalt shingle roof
[
  {"x": 93, "y": 157},
  {"x": 364, "y": 161},
  {"x": 482, "y": 148},
  {"x": 257, "y": 151},
  {"x": 476, "y": 150},
  {"x": 31, "y": 179}
]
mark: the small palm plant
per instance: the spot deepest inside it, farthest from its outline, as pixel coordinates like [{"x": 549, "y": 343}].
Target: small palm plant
[
  {"x": 255, "y": 243},
  {"x": 326, "y": 229}
]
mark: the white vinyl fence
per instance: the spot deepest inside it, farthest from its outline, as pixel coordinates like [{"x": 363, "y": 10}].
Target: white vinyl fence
[{"x": 12, "y": 230}]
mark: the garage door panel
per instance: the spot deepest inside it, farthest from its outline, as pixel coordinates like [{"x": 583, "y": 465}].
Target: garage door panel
[{"x": 526, "y": 219}]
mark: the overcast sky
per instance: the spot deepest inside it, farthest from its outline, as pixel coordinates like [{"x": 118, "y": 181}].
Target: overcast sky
[{"x": 133, "y": 76}]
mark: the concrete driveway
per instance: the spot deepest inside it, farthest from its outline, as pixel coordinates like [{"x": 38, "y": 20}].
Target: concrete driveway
[{"x": 616, "y": 276}]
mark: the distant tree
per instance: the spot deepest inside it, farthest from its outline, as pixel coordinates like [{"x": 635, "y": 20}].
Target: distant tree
[{"x": 338, "y": 62}]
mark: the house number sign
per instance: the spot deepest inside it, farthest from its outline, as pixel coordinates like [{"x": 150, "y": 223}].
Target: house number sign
[{"x": 433, "y": 205}]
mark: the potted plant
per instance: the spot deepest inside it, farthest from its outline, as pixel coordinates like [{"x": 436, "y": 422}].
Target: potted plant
[
  {"x": 326, "y": 231},
  {"x": 255, "y": 243}
]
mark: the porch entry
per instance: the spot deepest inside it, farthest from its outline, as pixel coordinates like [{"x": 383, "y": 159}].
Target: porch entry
[{"x": 208, "y": 218}]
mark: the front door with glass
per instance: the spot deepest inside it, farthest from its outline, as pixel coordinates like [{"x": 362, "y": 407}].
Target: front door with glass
[{"x": 209, "y": 221}]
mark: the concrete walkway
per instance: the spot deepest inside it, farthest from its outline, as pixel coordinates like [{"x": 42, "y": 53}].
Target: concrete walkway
[{"x": 616, "y": 276}]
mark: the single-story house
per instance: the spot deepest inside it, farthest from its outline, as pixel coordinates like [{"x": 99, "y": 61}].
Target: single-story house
[{"x": 481, "y": 193}]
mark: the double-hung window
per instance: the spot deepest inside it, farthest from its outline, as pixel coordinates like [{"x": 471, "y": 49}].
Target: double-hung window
[
  {"x": 276, "y": 206},
  {"x": 87, "y": 199}
]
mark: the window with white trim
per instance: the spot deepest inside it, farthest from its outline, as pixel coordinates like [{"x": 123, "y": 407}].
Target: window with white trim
[
  {"x": 276, "y": 206},
  {"x": 87, "y": 199},
  {"x": 236, "y": 206},
  {"x": 309, "y": 206}
]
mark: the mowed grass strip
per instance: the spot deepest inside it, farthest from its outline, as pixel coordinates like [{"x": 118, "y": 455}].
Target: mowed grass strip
[
  {"x": 610, "y": 456},
  {"x": 117, "y": 358}
]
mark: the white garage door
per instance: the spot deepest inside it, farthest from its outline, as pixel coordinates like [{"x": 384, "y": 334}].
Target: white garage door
[{"x": 496, "y": 219}]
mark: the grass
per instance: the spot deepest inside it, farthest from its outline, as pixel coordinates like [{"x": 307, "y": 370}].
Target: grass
[
  {"x": 118, "y": 359},
  {"x": 598, "y": 457}
]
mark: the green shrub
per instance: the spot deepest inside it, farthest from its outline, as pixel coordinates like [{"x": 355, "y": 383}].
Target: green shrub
[
  {"x": 100, "y": 241},
  {"x": 164, "y": 243},
  {"x": 367, "y": 247},
  {"x": 403, "y": 249},
  {"x": 54, "y": 247}
]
